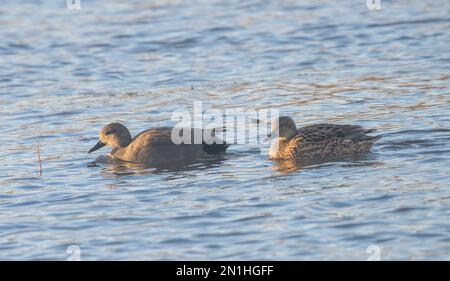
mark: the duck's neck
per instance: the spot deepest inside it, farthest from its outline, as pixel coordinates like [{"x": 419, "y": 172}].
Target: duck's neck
[
  {"x": 277, "y": 147},
  {"x": 114, "y": 150},
  {"x": 121, "y": 144},
  {"x": 118, "y": 149}
]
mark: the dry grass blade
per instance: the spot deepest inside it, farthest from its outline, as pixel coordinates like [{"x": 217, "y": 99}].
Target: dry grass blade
[{"x": 38, "y": 152}]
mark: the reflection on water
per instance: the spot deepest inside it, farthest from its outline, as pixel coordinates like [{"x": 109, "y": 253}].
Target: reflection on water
[
  {"x": 358, "y": 160},
  {"x": 122, "y": 168},
  {"x": 66, "y": 73}
]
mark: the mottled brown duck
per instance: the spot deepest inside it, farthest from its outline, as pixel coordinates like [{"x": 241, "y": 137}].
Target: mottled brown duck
[{"x": 319, "y": 140}]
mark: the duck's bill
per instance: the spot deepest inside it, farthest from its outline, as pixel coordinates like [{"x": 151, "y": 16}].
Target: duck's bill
[{"x": 96, "y": 147}]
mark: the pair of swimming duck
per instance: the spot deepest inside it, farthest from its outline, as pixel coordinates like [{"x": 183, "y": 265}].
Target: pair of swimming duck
[{"x": 314, "y": 141}]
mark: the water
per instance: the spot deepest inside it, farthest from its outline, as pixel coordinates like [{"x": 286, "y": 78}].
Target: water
[{"x": 66, "y": 73}]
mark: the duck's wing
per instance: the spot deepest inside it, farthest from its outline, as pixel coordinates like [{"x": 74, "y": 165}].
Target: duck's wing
[
  {"x": 163, "y": 136},
  {"x": 330, "y": 139},
  {"x": 155, "y": 136},
  {"x": 325, "y": 132}
]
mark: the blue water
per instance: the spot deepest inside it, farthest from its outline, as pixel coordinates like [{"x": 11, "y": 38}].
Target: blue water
[{"x": 66, "y": 73}]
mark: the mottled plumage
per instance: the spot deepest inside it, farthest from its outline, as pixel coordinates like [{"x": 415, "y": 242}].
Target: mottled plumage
[
  {"x": 154, "y": 145},
  {"x": 320, "y": 140}
]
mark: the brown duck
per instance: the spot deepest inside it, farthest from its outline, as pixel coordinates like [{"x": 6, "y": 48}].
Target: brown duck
[
  {"x": 154, "y": 145},
  {"x": 319, "y": 140}
]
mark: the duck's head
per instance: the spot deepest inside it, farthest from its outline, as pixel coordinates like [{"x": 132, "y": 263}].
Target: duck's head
[
  {"x": 114, "y": 135},
  {"x": 283, "y": 127}
]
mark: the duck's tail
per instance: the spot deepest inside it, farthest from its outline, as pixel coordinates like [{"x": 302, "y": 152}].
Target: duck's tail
[
  {"x": 218, "y": 146},
  {"x": 215, "y": 148},
  {"x": 363, "y": 142}
]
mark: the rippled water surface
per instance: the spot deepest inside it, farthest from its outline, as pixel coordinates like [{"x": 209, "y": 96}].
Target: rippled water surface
[{"x": 66, "y": 73}]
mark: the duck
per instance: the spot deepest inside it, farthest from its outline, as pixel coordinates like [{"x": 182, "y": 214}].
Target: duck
[
  {"x": 317, "y": 140},
  {"x": 155, "y": 145}
]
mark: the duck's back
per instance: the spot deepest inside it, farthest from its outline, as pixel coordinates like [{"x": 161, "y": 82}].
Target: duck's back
[
  {"x": 321, "y": 140},
  {"x": 156, "y": 146}
]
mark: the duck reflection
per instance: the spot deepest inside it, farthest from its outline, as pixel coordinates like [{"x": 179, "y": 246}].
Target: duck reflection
[
  {"x": 117, "y": 167},
  {"x": 289, "y": 165}
]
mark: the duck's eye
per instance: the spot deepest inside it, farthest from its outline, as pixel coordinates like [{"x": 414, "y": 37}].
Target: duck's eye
[{"x": 109, "y": 133}]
